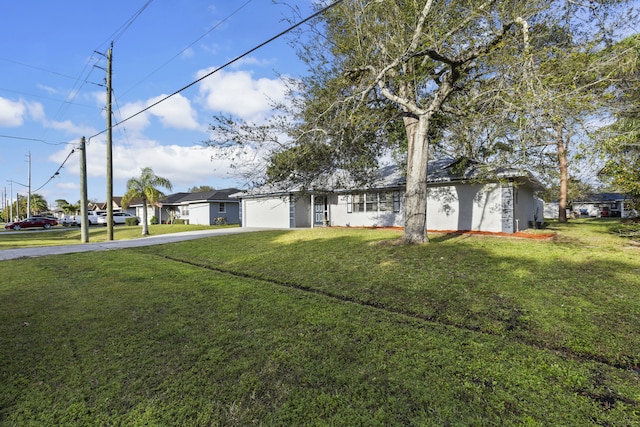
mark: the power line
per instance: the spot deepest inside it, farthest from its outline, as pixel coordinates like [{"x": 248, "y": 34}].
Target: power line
[
  {"x": 70, "y": 96},
  {"x": 177, "y": 54},
  {"x": 79, "y": 82},
  {"x": 123, "y": 130},
  {"x": 192, "y": 43},
  {"x": 74, "y": 92},
  {"x": 32, "y": 95},
  {"x": 181, "y": 52},
  {"x": 237, "y": 58},
  {"x": 56, "y": 173},
  {"x": 33, "y": 139},
  {"x": 291, "y": 28},
  {"x": 93, "y": 60},
  {"x": 124, "y": 27},
  {"x": 37, "y": 68}
]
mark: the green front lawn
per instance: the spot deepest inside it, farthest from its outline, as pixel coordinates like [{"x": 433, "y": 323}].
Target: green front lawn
[
  {"x": 327, "y": 327},
  {"x": 34, "y": 237}
]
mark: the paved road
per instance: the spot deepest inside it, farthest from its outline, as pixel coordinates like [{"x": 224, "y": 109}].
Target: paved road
[{"x": 118, "y": 244}]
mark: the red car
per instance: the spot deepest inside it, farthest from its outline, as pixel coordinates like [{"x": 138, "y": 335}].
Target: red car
[{"x": 35, "y": 221}]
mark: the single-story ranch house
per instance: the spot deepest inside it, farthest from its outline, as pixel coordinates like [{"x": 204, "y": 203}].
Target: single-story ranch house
[
  {"x": 462, "y": 196},
  {"x": 202, "y": 208}
]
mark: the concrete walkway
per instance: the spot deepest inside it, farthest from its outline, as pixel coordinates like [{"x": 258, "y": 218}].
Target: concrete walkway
[{"x": 119, "y": 244}]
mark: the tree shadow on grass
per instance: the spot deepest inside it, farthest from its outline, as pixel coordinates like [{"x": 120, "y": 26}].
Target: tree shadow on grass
[
  {"x": 274, "y": 314},
  {"x": 537, "y": 292}
]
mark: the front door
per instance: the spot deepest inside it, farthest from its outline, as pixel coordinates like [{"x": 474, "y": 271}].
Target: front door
[{"x": 320, "y": 211}]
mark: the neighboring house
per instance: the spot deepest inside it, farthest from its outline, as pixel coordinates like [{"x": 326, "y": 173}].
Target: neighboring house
[
  {"x": 94, "y": 206},
  {"x": 116, "y": 202},
  {"x": 614, "y": 204},
  {"x": 462, "y": 196},
  {"x": 202, "y": 208},
  {"x": 58, "y": 213}
]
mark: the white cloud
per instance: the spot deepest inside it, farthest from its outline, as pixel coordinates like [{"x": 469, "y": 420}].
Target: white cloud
[
  {"x": 36, "y": 110},
  {"x": 175, "y": 112},
  {"x": 48, "y": 89},
  {"x": 12, "y": 113},
  {"x": 188, "y": 53},
  {"x": 184, "y": 166},
  {"x": 146, "y": 144},
  {"x": 68, "y": 185},
  {"x": 240, "y": 94},
  {"x": 211, "y": 49},
  {"x": 252, "y": 61},
  {"x": 70, "y": 128},
  {"x": 138, "y": 123}
]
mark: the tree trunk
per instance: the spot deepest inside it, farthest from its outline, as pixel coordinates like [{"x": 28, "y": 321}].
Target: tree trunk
[
  {"x": 145, "y": 223},
  {"x": 564, "y": 176},
  {"x": 415, "y": 209}
]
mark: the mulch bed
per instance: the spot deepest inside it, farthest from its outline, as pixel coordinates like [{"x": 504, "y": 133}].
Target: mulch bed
[{"x": 519, "y": 234}]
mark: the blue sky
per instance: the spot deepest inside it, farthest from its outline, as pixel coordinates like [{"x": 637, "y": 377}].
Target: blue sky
[{"x": 50, "y": 93}]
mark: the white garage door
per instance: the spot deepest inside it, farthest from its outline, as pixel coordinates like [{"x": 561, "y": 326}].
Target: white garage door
[{"x": 267, "y": 212}]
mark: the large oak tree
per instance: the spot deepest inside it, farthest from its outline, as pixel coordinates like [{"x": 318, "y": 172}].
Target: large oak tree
[{"x": 393, "y": 76}]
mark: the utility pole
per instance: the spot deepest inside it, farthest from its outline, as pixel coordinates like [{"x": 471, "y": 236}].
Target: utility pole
[
  {"x": 109, "y": 148},
  {"x": 84, "y": 232},
  {"x": 29, "y": 186},
  {"x": 11, "y": 201},
  {"x": 18, "y": 195}
]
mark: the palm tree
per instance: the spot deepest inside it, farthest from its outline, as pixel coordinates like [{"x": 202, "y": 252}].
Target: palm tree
[
  {"x": 38, "y": 204},
  {"x": 145, "y": 188}
]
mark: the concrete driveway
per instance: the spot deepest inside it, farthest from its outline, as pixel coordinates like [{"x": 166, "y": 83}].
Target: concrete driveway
[{"x": 119, "y": 244}]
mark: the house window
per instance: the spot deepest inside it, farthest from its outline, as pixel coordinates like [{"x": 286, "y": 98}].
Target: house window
[
  {"x": 222, "y": 208},
  {"x": 396, "y": 201},
  {"x": 371, "y": 202},
  {"x": 358, "y": 203},
  {"x": 385, "y": 202},
  {"x": 374, "y": 202}
]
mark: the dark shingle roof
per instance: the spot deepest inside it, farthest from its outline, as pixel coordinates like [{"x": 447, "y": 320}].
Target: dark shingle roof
[
  {"x": 445, "y": 170},
  {"x": 201, "y": 196},
  {"x": 186, "y": 198},
  {"x": 173, "y": 198}
]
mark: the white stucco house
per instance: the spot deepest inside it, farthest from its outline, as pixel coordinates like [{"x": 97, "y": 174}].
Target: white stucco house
[{"x": 462, "y": 196}]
